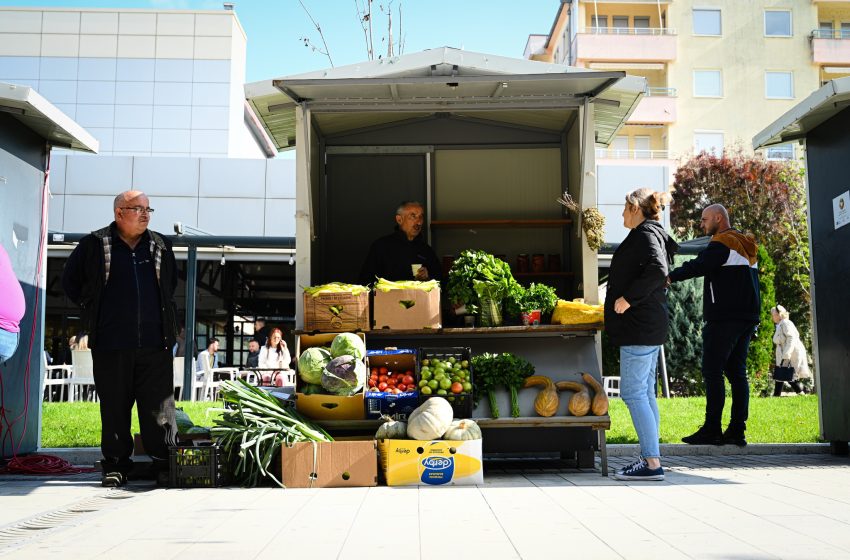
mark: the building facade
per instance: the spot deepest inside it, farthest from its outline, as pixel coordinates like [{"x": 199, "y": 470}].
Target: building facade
[{"x": 717, "y": 71}]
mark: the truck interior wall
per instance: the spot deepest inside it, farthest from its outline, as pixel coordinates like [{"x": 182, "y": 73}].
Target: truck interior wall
[
  {"x": 22, "y": 167},
  {"x": 316, "y": 188},
  {"x": 573, "y": 186}
]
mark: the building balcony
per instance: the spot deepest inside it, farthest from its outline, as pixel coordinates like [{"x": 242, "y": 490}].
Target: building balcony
[
  {"x": 657, "y": 107},
  {"x": 830, "y": 47},
  {"x": 655, "y": 157},
  {"x": 615, "y": 44}
]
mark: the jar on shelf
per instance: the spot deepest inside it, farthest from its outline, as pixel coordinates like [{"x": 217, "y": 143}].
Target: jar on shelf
[
  {"x": 554, "y": 263},
  {"x": 538, "y": 263},
  {"x": 522, "y": 262}
]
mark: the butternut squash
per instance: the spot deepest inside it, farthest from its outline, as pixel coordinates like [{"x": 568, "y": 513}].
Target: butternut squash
[
  {"x": 579, "y": 403},
  {"x": 546, "y": 402},
  {"x": 600, "y": 399}
]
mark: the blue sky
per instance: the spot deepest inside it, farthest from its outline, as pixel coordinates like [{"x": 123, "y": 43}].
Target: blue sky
[{"x": 274, "y": 27}]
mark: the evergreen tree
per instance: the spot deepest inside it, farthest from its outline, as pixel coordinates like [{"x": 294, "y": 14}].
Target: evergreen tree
[
  {"x": 683, "y": 349},
  {"x": 761, "y": 354}
]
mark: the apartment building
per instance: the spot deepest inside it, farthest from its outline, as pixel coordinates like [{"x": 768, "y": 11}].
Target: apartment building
[{"x": 717, "y": 71}]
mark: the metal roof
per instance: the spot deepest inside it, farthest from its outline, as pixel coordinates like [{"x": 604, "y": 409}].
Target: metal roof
[
  {"x": 43, "y": 118},
  {"x": 818, "y": 107},
  {"x": 518, "y": 91}
]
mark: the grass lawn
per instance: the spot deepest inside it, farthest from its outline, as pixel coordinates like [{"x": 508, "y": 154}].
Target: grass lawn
[{"x": 772, "y": 420}]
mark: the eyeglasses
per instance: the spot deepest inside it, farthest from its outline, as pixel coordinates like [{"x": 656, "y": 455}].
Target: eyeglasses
[{"x": 138, "y": 209}]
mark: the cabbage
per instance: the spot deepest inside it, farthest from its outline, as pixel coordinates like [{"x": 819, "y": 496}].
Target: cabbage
[
  {"x": 344, "y": 376},
  {"x": 348, "y": 344},
  {"x": 312, "y": 363}
]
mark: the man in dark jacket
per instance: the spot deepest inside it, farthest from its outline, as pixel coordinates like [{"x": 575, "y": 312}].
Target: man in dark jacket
[
  {"x": 395, "y": 256},
  {"x": 123, "y": 277},
  {"x": 731, "y": 304}
]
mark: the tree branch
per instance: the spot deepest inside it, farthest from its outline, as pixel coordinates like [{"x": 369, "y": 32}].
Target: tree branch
[{"x": 307, "y": 42}]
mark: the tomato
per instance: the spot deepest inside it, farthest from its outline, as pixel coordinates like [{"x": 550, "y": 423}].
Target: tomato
[
  {"x": 372, "y": 383},
  {"x": 382, "y": 386},
  {"x": 456, "y": 387},
  {"x": 402, "y": 387},
  {"x": 383, "y": 378},
  {"x": 408, "y": 379},
  {"x": 396, "y": 391},
  {"x": 383, "y": 370},
  {"x": 391, "y": 382},
  {"x": 374, "y": 371}
]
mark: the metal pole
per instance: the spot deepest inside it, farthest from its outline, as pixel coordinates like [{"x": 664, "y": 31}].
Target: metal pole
[
  {"x": 665, "y": 382},
  {"x": 191, "y": 290}
]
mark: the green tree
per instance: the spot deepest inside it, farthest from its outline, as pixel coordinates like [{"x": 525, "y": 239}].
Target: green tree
[
  {"x": 760, "y": 357},
  {"x": 683, "y": 349}
]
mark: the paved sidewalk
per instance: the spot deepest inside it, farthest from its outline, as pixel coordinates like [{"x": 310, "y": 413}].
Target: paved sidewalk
[{"x": 735, "y": 506}]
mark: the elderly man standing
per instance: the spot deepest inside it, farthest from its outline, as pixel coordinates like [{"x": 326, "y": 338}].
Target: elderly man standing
[
  {"x": 731, "y": 304},
  {"x": 123, "y": 277}
]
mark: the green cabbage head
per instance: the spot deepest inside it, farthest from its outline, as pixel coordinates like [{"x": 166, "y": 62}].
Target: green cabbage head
[
  {"x": 312, "y": 363},
  {"x": 348, "y": 344},
  {"x": 344, "y": 376}
]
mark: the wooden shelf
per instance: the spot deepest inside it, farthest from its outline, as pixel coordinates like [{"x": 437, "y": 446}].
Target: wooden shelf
[
  {"x": 501, "y": 223},
  {"x": 512, "y": 331},
  {"x": 550, "y": 274}
]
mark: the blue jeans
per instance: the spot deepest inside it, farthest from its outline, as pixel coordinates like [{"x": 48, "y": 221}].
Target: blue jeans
[
  {"x": 8, "y": 344},
  {"x": 637, "y": 389}
]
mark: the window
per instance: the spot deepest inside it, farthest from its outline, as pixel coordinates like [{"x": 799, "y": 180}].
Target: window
[
  {"x": 706, "y": 22},
  {"x": 620, "y": 147},
  {"x": 777, "y": 23},
  {"x": 781, "y": 152},
  {"x": 621, "y": 24},
  {"x": 711, "y": 142},
  {"x": 599, "y": 24},
  {"x": 708, "y": 83},
  {"x": 641, "y": 25},
  {"x": 779, "y": 85},
  {"x": 642, "y": 145},
  {"x": 845, "y": 30}
]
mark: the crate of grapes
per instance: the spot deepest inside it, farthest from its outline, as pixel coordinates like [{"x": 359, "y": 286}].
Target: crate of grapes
[
  {"x": 447, "y": 373},
  {"x": 200, "y": 466}
]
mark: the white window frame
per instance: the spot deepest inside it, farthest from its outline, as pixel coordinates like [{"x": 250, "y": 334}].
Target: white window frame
[
  {"x": 707, "y": 9},
  {"x": 694, "y": 78},
  {"x": 720, "y": 132},
  {"x": 787, "y": 72},
  {"x": 780, "y": 147},
  {"x": 641, "y": 152},
  {"x": 790, "y": 23}
]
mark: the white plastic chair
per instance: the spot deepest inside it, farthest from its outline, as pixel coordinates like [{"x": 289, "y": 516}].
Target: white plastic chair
[
  {"x": 82, "y": 377},
  {"x": 177, "y": 365},
  {"x": 611, "y": 386},
  {"x": 250, "y": 377},
  {"x": 212, "y": 378},
  {"x": 57, "y": 376},
  {"x": 283, "y": 378}
]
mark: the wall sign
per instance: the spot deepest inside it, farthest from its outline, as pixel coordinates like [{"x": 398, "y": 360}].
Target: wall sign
[{"x": 841, "y": 209}]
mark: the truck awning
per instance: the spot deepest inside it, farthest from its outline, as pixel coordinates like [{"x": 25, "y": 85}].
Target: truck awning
[
  {"x": 521, "y": 92},
  {"x": 42, "y": 117}
]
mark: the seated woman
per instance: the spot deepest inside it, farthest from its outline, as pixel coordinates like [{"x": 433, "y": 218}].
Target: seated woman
[{"x": 274, "y": 354}]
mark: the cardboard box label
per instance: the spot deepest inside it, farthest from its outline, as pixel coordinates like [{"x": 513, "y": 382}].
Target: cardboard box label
[{"x": 431, "y": 463}]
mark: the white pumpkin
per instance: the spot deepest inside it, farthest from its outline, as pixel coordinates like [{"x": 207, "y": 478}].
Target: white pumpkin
[
  {"x": 462, "y": 430},
  {"x": 431, "y": 420},
  {"x": 391, "y": 429}
]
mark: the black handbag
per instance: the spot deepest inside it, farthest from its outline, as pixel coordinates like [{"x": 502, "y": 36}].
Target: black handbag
[{"x": 783, "y": 373}]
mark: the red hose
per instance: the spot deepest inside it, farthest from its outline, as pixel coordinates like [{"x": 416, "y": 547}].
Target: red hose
[{"x": 42, "y": 464}]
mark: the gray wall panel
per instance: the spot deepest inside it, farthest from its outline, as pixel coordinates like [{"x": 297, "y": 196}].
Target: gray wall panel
[
  {"x": 280, "y": 178},
  {"x": 231, "y": 216},
  {"x": 239, "y": 178},
  {"x": 280, "y": 218},
  {"x": 166, "y": 176},
  {"x": 98, "y": 175}
]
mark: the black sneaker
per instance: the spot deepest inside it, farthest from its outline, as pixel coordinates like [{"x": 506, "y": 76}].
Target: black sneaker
[
  {"x": 704, "y": 436},
  {"x": 640, "y": 471},
  {"x": 113, "y": 479},
  {"x": 631, "y": 465},
  {"x": 734, "y": 436}
]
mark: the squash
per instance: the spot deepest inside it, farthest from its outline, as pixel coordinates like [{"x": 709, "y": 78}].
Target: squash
[
  {"x": 431, "y": 420},
  {"x": 546, "y": 402},
  {"x": 463, "y": 430},
  {"x": 579, "y": 403},
  {"x": 391, "y": 429},
  {"x": 600, "y": 399}
]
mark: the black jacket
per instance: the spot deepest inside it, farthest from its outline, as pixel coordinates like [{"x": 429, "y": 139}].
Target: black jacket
[
  {"x": 730, "y": 267},
  {"x": 85, "y": 279},
  {"x": 390, "y": 258},
  {"x": 638, "y": 273}
]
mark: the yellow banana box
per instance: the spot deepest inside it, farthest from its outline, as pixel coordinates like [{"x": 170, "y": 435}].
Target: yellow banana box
[{"x": 408, "y": 462}]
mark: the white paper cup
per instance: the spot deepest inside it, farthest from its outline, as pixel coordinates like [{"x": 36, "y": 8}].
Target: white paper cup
[{"x": 415, "y": 268}]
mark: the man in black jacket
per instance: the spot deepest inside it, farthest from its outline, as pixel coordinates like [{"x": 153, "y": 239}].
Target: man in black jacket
[
  {"x": 123, "y": 277},
  {"x": 394, "y": 257},
  {"x": 731, "y": 304}
]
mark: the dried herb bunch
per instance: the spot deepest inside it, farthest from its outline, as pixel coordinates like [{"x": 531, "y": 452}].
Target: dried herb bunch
[{"x": 592, "y": 221}]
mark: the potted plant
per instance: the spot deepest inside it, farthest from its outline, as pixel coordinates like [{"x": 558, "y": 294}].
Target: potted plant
[
  {"x": 538, "y": 301},
  {"x": 477, "y": 285}
]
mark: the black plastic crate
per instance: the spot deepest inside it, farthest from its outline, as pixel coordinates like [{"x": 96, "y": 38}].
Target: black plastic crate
[
  {"x": 203, "y": 466},
  {"x": 461, "y": 402}
]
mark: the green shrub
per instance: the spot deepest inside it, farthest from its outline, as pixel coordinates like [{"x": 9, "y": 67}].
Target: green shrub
[
  {"x": 683, "y": 349},
  {"x": 761, "y": 352}
]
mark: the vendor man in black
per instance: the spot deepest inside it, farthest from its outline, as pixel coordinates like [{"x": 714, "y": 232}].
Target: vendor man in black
[
  {"x": 396, "y": 256},
  {"x": 123, "y": 277}
]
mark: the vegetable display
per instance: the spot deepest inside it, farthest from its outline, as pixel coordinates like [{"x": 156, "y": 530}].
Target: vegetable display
[
  {"x": 479, "y": 281},
  {"x": 344, "y": 376},
  {"x": 579, "y": 403},
  {"x": 430, "y": 420},
  {"x": 444, "y": 377},
  {"x": 336, "y": 288},
  {"x": 382, "y": 380},
  {"x": 312, "y": 364},
  {"x": 546, "y": 402},
  {"x": 463, "y": 430},
  {"x": 348, "y": 344},
  {"x": 388, "y": 285},
  {"x": 391, "y": 429},
  {"x": 500, "y": 370},
  {"x": 253, "y": 427},
  {"x": 600, "y": 399}
]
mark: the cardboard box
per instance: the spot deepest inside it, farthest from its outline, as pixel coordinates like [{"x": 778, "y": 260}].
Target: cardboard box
[
  {"x": 336, "y": 312},
  {"x": 407, "y": 309},
  {"x": 397, "y": 406},
  {"x": 334, "y": 464},
  {"x": 408, "y": 462},
  {"x": 325, "y": 407}
]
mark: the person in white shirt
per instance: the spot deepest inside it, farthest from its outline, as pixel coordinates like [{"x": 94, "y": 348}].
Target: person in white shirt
[
  {"x": 274, "y": 354},
  {"x": 208, "y": 357}
]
